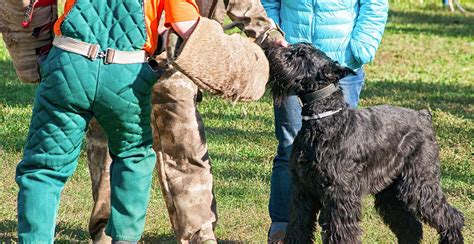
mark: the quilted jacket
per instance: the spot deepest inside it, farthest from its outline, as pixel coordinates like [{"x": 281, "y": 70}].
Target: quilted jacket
[
  {"x": 105, "y": 11},
  {"x": 348, "y": 31}
]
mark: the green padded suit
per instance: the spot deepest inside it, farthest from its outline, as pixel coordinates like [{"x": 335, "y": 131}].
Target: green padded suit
[{"x": 73, "y": 89}]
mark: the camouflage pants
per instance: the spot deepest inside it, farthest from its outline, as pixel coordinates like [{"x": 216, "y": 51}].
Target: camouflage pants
[
  {"x": 26, "y": 45},
  {"x": 183, "y": 165}
]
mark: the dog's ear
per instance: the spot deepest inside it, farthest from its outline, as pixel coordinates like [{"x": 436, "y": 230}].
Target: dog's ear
[{"x": 334, "y": 71}]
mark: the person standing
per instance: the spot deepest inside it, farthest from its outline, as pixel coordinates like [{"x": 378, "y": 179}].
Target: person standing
[
  {"x": 348, "y": 31},
  {"x": 78, "y": 81},
  {"x": 183, "y": 163}
]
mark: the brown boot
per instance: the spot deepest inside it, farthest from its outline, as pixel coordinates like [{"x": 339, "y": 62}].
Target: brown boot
[{"x": 277, "y": 237}]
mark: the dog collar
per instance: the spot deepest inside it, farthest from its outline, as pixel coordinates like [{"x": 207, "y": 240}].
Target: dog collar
[
  {"x": 319, "y": 94},
  {"x": 321, "y": 115}
]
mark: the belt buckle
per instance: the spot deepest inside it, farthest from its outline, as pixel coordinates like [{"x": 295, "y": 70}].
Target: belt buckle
[
  {"x": 93, "y": 51},
  {"x": 109, "y": 56},
  {"x": 101, "y": 55}
]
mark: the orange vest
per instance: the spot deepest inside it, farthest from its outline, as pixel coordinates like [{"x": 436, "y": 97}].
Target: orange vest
[{"x": 177, "y": 11}]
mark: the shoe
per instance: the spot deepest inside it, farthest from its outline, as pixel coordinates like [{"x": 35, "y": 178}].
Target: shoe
[
  {"x": 277, "y": 237},
  {"x": 102, "y": 238}
]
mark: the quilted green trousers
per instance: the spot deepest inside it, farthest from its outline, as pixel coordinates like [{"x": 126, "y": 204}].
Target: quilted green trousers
[{"x": 72, "y": 91}]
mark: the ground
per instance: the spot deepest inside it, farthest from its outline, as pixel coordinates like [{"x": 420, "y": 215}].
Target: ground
[{"x": 425, "y": 61}]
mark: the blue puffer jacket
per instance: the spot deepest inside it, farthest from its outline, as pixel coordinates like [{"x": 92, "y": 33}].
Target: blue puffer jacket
[{"x": 348, "y": 31}]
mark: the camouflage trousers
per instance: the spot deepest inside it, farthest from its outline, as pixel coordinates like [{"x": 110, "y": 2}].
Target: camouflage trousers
[{"x": 183, "y": 163}]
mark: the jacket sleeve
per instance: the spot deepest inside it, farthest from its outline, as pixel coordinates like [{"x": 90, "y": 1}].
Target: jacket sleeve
[
  {"x": 250, "y": 17},
  {"x": 180, "y": 10},
  {"x": 273, "y": 9},
  {"x": 368, "y": 29}
]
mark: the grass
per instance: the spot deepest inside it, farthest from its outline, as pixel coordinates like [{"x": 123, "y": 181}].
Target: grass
[{"x": 424, "y": 61}]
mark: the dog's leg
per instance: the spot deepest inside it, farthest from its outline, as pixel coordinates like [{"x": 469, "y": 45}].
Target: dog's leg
[
  {"x": 340, "y": 217},
  {"x": 304, "y": 209},
  {"x": 432, "y": 207},
  {"x": 397, "y": 216},
  {"x": 421, "y": 191}
]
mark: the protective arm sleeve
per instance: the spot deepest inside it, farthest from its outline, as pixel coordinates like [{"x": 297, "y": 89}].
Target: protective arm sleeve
[
  {"x": 231, "y": 66},
  {"x": 368, "y": 30}
]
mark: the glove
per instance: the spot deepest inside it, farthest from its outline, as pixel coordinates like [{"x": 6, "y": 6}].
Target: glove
[{"x": 273, "y": 36}]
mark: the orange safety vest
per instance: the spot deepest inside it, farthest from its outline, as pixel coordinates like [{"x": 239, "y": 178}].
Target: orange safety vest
[{"x": 177, "y": 11}]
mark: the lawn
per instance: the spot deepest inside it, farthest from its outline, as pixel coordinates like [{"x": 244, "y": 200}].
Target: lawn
[{"x": 426, "y": 60}]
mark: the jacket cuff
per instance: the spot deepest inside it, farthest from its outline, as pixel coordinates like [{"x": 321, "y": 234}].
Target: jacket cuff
[{"x": 363, "y": 52}]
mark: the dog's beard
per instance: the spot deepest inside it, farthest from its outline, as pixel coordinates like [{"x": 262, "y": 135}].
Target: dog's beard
[{"x": 287, "y": 71}]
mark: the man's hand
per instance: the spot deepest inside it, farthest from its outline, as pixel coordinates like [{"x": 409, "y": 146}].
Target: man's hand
[
  {"x": 184, "y": 28},
  {"x": 281, "y": 42}
]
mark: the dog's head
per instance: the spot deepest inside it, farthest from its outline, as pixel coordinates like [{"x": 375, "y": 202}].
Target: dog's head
[{"x": 300, "y": 69}]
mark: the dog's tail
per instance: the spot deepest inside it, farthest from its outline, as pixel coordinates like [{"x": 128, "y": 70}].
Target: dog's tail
[{"x": 427, "y": 114}]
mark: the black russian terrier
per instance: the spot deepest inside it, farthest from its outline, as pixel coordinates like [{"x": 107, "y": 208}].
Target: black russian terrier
[{"x": 341, "y": 154}]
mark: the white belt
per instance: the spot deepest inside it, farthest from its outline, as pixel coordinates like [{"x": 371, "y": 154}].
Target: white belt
[{"x": 92, "y": 51}]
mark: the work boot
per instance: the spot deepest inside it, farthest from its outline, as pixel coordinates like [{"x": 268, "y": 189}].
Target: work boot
[
  {"x": 102, "y": 238},
  {"x": 277, "y": 238}
]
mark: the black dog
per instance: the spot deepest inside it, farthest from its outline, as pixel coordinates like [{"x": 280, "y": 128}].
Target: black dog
[{"x": 342, "y": 154}]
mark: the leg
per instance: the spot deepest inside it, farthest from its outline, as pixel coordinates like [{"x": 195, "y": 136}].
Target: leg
[
  {"x": 123, "y": 108},
  {"x": 341, "y": 212},
  {"x": 183, "y": 162},
  {"x": 304, "y": 209},
  {"x": 287, "y": 125},
  {"x": 451, "y": 5},
  {"x": 99, "y": 161},
  {"x": 52, "y": 148},
  {"x": 25, "y": 51},
  {"x": 398, "y": 217},
  {"x": 423, "y": 195},
  {"x": 44, "y": 170},
  {"x": 352, "y": 86}
]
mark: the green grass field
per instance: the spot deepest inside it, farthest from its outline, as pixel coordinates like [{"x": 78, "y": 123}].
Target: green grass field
[{"x": 426, "y": 60}]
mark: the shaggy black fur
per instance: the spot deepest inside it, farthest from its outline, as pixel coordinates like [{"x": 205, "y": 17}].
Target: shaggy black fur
[{"x": 387, "y": 151}]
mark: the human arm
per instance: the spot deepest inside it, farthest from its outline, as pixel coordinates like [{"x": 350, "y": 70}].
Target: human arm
[
  {"x": 251, "y": 18},
  {"x": 368, "y": 29},
  {"x": 182, "y": 16},
  {"x": 184, "y": 28}
]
